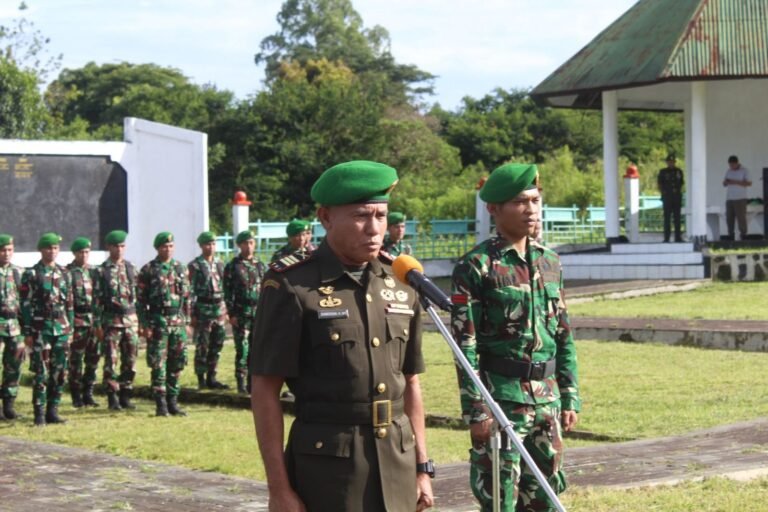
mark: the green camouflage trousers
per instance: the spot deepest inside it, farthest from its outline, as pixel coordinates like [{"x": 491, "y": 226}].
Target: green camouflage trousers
[
  {"x": 539, "y": 428},
  {"x": 125, "y": 342},
  {"x": 167, "y": 357},
  {"x": 13, "y": 356},
  {"x": 242, "y": 334},
  {"x": 209, "y": 340},
  {"x": 83, "y": 351},
  {"x": 49, "y": 364}
]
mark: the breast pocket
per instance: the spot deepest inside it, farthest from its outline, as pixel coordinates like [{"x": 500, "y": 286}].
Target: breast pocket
[
  {"x": 504, "y": 312},
  {"x": 398, "y": 333},
  {"x": 337, "y": 350},
  {"x": 552, "y": 294}
]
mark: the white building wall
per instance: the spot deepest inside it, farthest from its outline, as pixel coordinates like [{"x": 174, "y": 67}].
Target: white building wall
[{"x": 167, "y": 182}]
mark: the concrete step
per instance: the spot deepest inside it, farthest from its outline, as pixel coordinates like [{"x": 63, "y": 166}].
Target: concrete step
[
  {"x": 689, "y": 258},
  {"x": 642, "y": 248},
  {"x": 626, "y": 272}
]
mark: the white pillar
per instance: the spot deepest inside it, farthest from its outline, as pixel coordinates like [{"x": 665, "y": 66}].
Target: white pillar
[
  {"x": 697, "y": 186},
  {"x": 482, "y": 219},
  {"x": 240, "y": 211},
  {"x": 688, "y": 173},
  {"x": 611, "y": 162},
  {"x": 632, "y": 207}
]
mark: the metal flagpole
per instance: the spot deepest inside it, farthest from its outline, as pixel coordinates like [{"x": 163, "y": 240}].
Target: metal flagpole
[{"x": 499, "y": 416}]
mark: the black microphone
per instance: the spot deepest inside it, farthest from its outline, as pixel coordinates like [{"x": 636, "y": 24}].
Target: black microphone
[{"x": 409, "y": 271}]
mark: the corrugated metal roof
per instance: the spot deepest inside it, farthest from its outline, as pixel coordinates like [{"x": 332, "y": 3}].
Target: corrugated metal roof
[{"x": 660, "y": 40}]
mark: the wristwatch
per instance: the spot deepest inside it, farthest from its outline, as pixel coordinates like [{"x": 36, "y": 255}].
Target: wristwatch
[{"x": 426, "y": 467}]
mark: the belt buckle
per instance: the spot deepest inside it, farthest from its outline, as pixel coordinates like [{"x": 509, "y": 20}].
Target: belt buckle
[
  {"x": 537, "y": 371},
  {"x": 382, "y": 408}
]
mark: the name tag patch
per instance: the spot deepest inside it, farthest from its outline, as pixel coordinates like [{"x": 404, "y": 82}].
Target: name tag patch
[
  {"x": 399, "y": 309},
  {"x": 331, "y": 314}
]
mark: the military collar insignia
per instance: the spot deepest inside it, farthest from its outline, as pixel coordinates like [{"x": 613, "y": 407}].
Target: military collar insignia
[
  {"x": 325, "y": 290},
  {"x": 330, "y": 302}
]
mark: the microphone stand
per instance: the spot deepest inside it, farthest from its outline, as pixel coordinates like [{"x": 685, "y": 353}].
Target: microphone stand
[{"x": 498, "y": 415}]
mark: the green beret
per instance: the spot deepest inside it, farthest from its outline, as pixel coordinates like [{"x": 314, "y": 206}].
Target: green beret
[
  {"x": 297, "y": 226},
  {"x": 395, "y": 218},
  {"x": 206, "y": 237},
  {"x": 5, "y": 240},
  {"x": 47, "y": 240},
  {"x": 243, "y": 236},
  {"x": 508, "y": 181},
  {"x": 115, "y": 237},
  {"x": 163, "y": 237},
  {"x": 79, "y": 244},
  {"x": 359, "y": 181}
]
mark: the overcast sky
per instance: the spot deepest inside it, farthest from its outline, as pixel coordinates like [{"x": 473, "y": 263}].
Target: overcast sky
[{"x": 472, "y": 46}]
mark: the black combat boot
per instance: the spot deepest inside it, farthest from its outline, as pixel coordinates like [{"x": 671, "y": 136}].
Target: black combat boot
[
  {"x": 88, "y": 397},
  {"x": 114, "y": 404},
  {"x": 241, "y": 384},
  {"x": 173, "y": 406},
  {"x": 160, "y": 408},
  {"x": 39, "y": 416},
  {"x": 125, "y": 398},
  {"x": 8, "y": 411},
  {"x": 77, "y": 398},
  {"x": 201, "y": 381},
  {"x": 212, "y": 383},
  {"x": 52, "y": 414}
]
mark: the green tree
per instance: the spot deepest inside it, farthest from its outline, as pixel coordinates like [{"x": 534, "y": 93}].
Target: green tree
[
  {"x": 311, "y": 30},
  {"x": 103, "y": 95},
  {"x": 22, "y": 112}
]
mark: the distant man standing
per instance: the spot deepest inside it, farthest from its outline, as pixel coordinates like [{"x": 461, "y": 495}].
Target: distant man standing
[
  {"x": 84, "y": 349},
  {"x": 299, "y": 240},
  {"x": 46, "y": 306},
  {"x": 209, "y": 313},
  {"x": 117, "y": 321},
  {"x": 163, "y": 304},
  {"x": 393, "y": 241},
  {"x": 670, "y": 181},
  {"x": 510, "y": 320},
  {"x": 736, "y": 181},
  {"x": 242, "y": 284},
  {"x": 10, "y": 326}
]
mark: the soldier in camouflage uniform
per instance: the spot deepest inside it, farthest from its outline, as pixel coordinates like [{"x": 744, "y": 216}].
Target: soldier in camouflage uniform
[
  {"x": 10, "y": 327},
  {"x": 209, "y": 313},
  {"x": 393, "y": 241},
  {"x": 510, "y": 320},
  {"x": 117, "y": 322},
  {"x": 163, "y": 304},
  {"x": 84, "y": 349},
  {"x": 242, "y": 282},
  {"x": 299, "y": 241},
  {"x": 46, "y": 306}
]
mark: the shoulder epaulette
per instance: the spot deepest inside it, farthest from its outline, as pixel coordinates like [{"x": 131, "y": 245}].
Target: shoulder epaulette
[
  {"x": 290, "y": 261},
  {"x": 386, "y": 257}
]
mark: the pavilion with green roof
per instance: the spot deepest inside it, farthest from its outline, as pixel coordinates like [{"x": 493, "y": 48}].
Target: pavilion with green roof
[{"x": 705, "y": 58}]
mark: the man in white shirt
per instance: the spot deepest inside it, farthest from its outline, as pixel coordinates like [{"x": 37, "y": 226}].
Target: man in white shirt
[{"x": 736, "y": 181}]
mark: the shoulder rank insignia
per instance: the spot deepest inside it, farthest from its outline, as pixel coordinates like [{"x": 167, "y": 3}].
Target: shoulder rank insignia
[
  {"x": 290, "y": 261},
  {"x": 386, "y": 257}
]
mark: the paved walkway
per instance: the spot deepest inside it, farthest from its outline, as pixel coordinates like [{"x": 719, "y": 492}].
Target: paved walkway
[{"x": 38, "y": 476}]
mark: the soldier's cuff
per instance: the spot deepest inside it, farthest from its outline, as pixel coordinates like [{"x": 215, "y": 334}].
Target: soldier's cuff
[
  {"x": 570, "y": 403},
  {"x": 478, "y": 413}
]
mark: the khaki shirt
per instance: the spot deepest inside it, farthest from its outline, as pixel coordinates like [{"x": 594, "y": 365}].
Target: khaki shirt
[{"x": 342, "y": 344}]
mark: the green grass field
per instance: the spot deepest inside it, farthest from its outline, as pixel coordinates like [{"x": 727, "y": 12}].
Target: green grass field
[{"x": 629, "y": 390}]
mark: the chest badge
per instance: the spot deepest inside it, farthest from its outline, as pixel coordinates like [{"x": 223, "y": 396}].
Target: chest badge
[
  {"x": 325, "y": 290},
  {"x": 389, "y": 282},
  {"x": 401, "y": 295},
  {"x": 330, "y": 302},
  {"x": 387, "y": 295}
]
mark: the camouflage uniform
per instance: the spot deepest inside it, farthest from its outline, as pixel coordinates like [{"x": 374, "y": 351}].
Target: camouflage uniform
[
  {"x": 395, "y": 248},
  {"x": 163, "y": 304},
  {"x": 84, "y": 348},
  {"x": 288, "y": 250},
  {"x": 48, "y": 315},
  {"x": 10, "y": 333},
  {"x": 115, "y": 296},
  {"x": 242, "y": 282},
  {"x": 509, "y": 310},
  {"x": 209, "y": 312}
]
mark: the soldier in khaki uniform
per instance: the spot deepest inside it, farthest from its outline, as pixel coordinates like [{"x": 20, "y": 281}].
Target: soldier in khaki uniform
[{"x": 346, "y": 337}]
